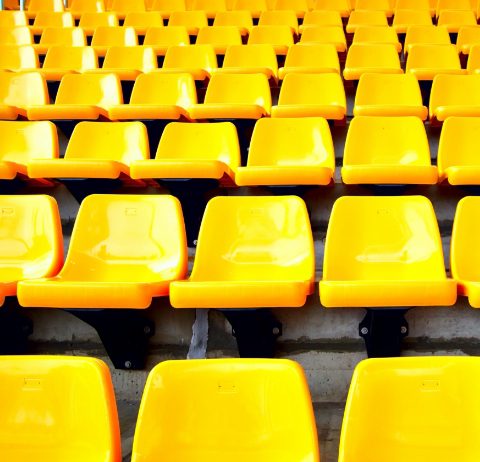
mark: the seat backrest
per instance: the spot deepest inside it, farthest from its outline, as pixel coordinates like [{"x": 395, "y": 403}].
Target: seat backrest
[
  {"x": 433, "y": 56},
  {"x": 420, "y": 408},
  {"x": 273, "y": 35},
  {"x": 396, "y": 238},
  {"x": 256, "y": 7},
  {"x": 455, "y": 90},
  {"x": 322, "y": 18},
  {"x": 13, "y": 18},
  {"x": 323, "y": 34},
  {"x": 101, "y": 245},
  {"x": 22, "y": 89},
  {"x": 166, "y": 7},
  {"x": 36, "y": 6},
  {"x": 14, "y": 57},
  {"x": 93, "y": 20},
  {"x": 58, "y": 408},
  {"x": 189, "y": 19},
  {"x": 251, "y": 56},
  {"x": 114, "y": 36},
  {"x": 299, "y": 6},
  {"x": 375, "y": 34},
  {"x": 71, "y": 36},
  {"x": 209, "y": 6},
  {"x": 140, "y": 57},
  {"x": 191, "y": 56},
  {"x": 474, "y": 59},
  {"x": 234, "y": 18},
  {"x": 16, "y": 35},
  {"x": 87, "y": 6},
  {"x": 166, "y": 36},
  {"x": 143, "y": 19},
  {"x": 53, "y": 19},
  {"x": 467, "y": 36},
  {"x": 432, "y": 35},
  {"x": 279, "y": 18},
  {"x": 232, "y": 409},
  {"x": 313, "y": 56},
  {"x": 221, "y": 36},
  {"x": 453, "y": 5},
  {"x": 124, "y": 7},
  {"x": 78, "y": 59}
]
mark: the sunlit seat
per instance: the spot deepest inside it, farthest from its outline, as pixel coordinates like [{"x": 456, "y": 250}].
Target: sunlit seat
[
  {"x": 123, "y": 7},
  {"x": 219, "y": 37},
  {"x": 90, "y": 21},
  {"x": 300, "y": 7},
  {"x": 254, "y": 7},
  {"x": 279, "y": 18},
  {"x": 141, "y": 21},
  {"x": 15, "y": 36},
  {"x": 404, "y": 19},
  {"x": 60, "y": 36},
  {"x": 453, "y": 5},
  {"x": 385, "y": 6},
  {"x": 13, "y": 19},
  {"x": 62, "y": 60},
  {"x": 426, "y": 35},
  {"x": 192, "y": 20},
  {"x": 473, "y": 63},
  {"x": 360, "y": 18},
  {"x": 281, "y": 37},
  {"x": 394, "y": 260},
  {"x": 167, "y": 7},
  {"x": 18, "y": 58},
  {"x": 341, "y": 6},
  {"x": 46, "y": 19},
  {"x": 162, "y": 38},
  {"x": 467, "y": 37},
  {"x": 321, "y": 18},
  {"x": 454, "y": 19},
  {"x": 371, "y": 58},
  {"x": 377, "y": 35},
  {"x": 37, "y": 6},
  {"x": 106, "y": 37},
  {"x": 128, "y": 62},
  {"x": 427, "y": 61},
  {"x": 210, "y": 7},
  {"x": 240, "y": 19},
  {"x": 80, "y": 7},
  {"x": 415, "y": 5},
  {"x": 325, "y": 34}
]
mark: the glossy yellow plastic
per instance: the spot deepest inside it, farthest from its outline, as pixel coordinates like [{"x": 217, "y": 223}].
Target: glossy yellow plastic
[
  {"x": 371, "y": 58},
  {"x": 454, "y": 19},
  {"x": 428, "y": 408},
  {"x": 210, "y": 7},
  {"x": 279, "y": 18},
  {"x": 473, "y": 64},
  {"x": 20, "y": 90},
  {"x": 458, "y": 160},
  {"x": 62, "y": 60},
  {"x": 427, "y": 61},
  {"x": 252, "y": 252},
  {"x": 158, "y": 96},
  {"x": 58, "y": 408},
  {"x": 325, "y": 34},
  {"x": 280, "y": 37},
  {"x": 240, "y": 19},
  {"x": 251, "y": 59},
  {"x": 23, "y": 141},
  {"x": 90, "y": 21},
  {"x": 377, "y": 35},
  {"x": 235, "y": 96},
  {"x": 122, "y": 7},
  {"x": 385, "y": 6},
  {"x": 415, "y": 5},
  {"x": 46, "y": 19},
  {"x": 426, "y": 35},
  {"x": 30, "y": 240},
  {"x": 162, "y": 38},
  {"x": 342, "y": 6},
  {"x": 255, "y": 7},
  {"x": 80, "y": 7},
  {"x": 128, "y": 62},
  {"x": 321, "y": 18},
  {"x": 55, "y": 36},
  {"x": 167, "y": 7},
  {"x": 300, "y": 7},
  {"x": 16, "y": 36},
  {"x": 310, "y": 59},
  {"x": 13, "y": 19},
  {"x": 467, "y": 37},
  {"x": 312, "y": 95},
  {"x": 18, "y": 58},
  {"x": 141, "y": 21},
  {"x": 103, "y": 269},
  {"x": 231, "y": 409},
  {"x": 387, "y": 150},
  {"x": 404, "y": 19},
  {"x": 96, "y": 150},
  {"x": 389, "y": 95},
  {"x": 365, "y": 18},
  {"x": 192, "y": 20},
  {"x": 453, "y": 5},
  {"x": 394, "y": 259},
  {"x": 106, "y": 37},
  {"x": 295, "y": 151},
  {"x": 36, "y": 6},
  {"x": 219, "y": 37},
  {"x": 193, "y": 151}
]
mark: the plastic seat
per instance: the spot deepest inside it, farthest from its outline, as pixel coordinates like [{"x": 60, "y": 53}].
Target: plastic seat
[
  {"x": 192, "y": 20},
  {"x": 167, "y": 7},
  {"x": 453, "y": 19},
  {"x": 128, "y": 62},
  {"x": 31, "y": 238},
  {"x": 389, "y": 95},
  {"x": 210, "y": 395},
  {"x": 255, "y": 7},
  {"x": 18, "y": 58},
  {"x": 90, "y": 21},
  {"x": 395, "y": 260},
  {"x": 427, "y": 61},
  {"x": 415, "y": 5},
  {"x": 46, "y": 19},
  {"x": 310, "y": 59},
  {"x": 328, "y": 34},
  {"x": 56, "y": 36},
  {"x": 210, "y": 7},
  {"x": 102, "y": 268},
  {"x": 279, "y": 18},
  {"x": 62, "y": 60},
  {"x": 106, "y": 37},
  {"x": 162, "y": 38},
  {"x": 80, "y": 7},
  {"x": 20, "y": 90},
  {"x": 80, "y": 97},
  {"x": 15, "y": 36},
  {"x": 13, "y": 19},
  {"x": 453, "y": 5},
  {"x": 242, "y": 20},
  {"x": 280, "y": 37},
  {"x": 371, "y": 58},
  {"x": 220, "y": 37},
  {"x": 193, "y": 151},
  {"x": 235, "y": 96},
  {"x": 36, "y": 6},
  {"x": 377, "y": 35},
  {"x": 385, "y": 6},
  {"x": 123, "y": 7},
  {"x": 319, "y": 18},
  {"x": 55, "y": 395},
  {"x": 252, "y": 252},
  {"x": 466, "y": 38},
  {"x": 387, "y": 150},
  {"x": 342, "y": 6},
  {"x": 142, "y": 21},
  {"x": 300, "y": 7},
  {"x": 473, "y": 64},
  {"x": 365, "y": 18},
  {"x": 312, "y": 95},
  {"x": 458, "y": 160},
  {"x": 404, "y": 19},
  {"x": 295, "y": 151},
  {"x": 426, "y": 35}
]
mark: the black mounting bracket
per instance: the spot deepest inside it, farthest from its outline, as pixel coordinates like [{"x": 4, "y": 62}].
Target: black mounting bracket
[
  {"x": 383, "y": 331},
  {"x": 15, "y": 328},
  {"x": 123, "y": 332},
  {"x": 256, "y": 331}
]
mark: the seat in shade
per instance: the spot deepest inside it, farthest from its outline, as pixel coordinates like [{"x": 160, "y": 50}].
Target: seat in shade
[
  {"x": 46, "y": 19},
  {"x": 377, "y": 35},
  {"x": 192, "y": 20},
  {"x": 281, "y": 37},
  {"x": 80, "y": 7},
  {"x": 162, "y": 38},
  {"x": 31, "y": 244},
  {"x": 193, "y": 151},
  {"x": 427, "y": 61},
  {"x": 365, "y": 18},
  {"x": 158, "y": 96},
  {"x": 321, "y": 18},
  {"x": 219, "y": 37},
  {"x": 60, "y": 36},
  {"x": 252, "y": 252},
  {"x": 13, "y": 19},
  {"x": 404, "y": 19},
  {"x": 128, "y": 62},
  {"x": 105, "y": 37},
  {"x": 429, "y": 404},
  {"x": 141, "y": 21},
  {"x": 62, "y": 60},
  {"x": 16, "y": 36},
  {"x": 473, "y": 64},
  {"x": 394, "y": 260},
  {"x": 37, "y": 6},
  {"x": 90, "y": 21},
  {"x": 329, "y": 34},
  {"x": 123, "y": 7},
  {"x": 103, "y": 269},
  {"x": 210, "y": 7},
  {"x": 210, "y": 390},
  {"x": 458, "y": 160},
  {"x": 342, "y": 6},
  {"x": 56, "y": 395},
  {"x": 235, "y": 96},
  {"x": 387, "y": 150},
  {"x": 385, "y": 6},
  {"x": 426, "y": 35},
  {"x": 279, "y": 18},
  {"x": 18, "y": 58},
  {"x": 254, "y": 7},
  {"x": 96, "y": 150},
  {"x": 467, "y": 37},
  {"x": 371, "y": 58},
  {"x": 389, "y": 95},
  {"x": 295, "y": 151},
  {"x": 312, "y": 95},
  {"x": 167, "y": 7},
  {"x": 300, "y": 7},
  {"x": 239, "y": 19}
]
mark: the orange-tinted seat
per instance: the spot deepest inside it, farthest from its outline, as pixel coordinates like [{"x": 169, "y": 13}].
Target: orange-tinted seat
[
  {"x": 141, "y": 21},
  {"x": 240, "y": 19},
  {"x": 80, "y": 7},
  {"x": 162, "y": 38},
  {"x": 210, "y": 7},
  {"x": 252, "y": 252},
  {"x": 426, "y": 35},
  {"x": 46, "y": 19},
  {"x": 13, "y": 19},
  {"x": 90, "y": 21},
  {"x": 62, "y": 60},
  {"x": 220, "y": 37},
  {"x": 279, "y": 18},
  {"x": 360, "y": 18},
  {"x": 427, "y": 61},
  {"x": 254, "y": 7},
  {"x": 36, "y": 6},
  {"x": 404, "y": 19},
  {"x": 15, "y": 36},
  {"x": 18, "y": 58},
  {"x": 342, "y": 6},
  {"x": 473, "y": 64},
  {"x": 329, "y": 34},
  {"x": 106, "y": 37},
  {"x": 167, "y": 7},
  {"x": 454, "y": 19},
  {"x": 377, "y": 35},
  {"x": 128, "y": 62},
  {"x": 123, "y": 7},
  {"x": 66, "y": 36},
  {"x": 467, "y": 37},
  {"x": 102, "y": 268},
  {"x": 281, "y": 37},
  {"x": 192, "y": 20}
]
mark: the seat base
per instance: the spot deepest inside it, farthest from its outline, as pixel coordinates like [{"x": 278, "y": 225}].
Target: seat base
[
  {"x": 389, "y": 174},
  {"x": 283, "y": 175},
  {"x": 332, "y": 111},
  {"x": 471, "y": 289},
  {"x": 75, "y": 168},
  {"x": 146, "y": 112},
  {"x": 227, "y": 111},
  {"x": 462, "y": 175},
  {"x": 391, "y": 110},
  {"x": 441, "y": 113}
]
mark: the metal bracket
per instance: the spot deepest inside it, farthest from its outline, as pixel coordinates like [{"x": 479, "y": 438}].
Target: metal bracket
[
  {"x": 383, "y": 331},
  {"x": 123, "y": 332},
  {"x": 15, "y": 328},
  {"x": 256, "y": 331}
]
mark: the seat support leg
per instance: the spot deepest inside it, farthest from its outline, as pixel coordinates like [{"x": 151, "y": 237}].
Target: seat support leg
[
  {"x": 383, "y": 331},
  {"x": 15, "y": 328},
  {"x": 123, "y": 332},
  {"x": 256, "y": 331}
]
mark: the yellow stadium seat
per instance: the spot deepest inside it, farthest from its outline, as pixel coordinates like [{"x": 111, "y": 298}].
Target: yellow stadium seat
[
  {"x": 220, "y": 37},
  {"x": 473, "y": 63},
  {"x": 321, "y": 18},
  {"x": 80, "y": 7},
  {"x": 365, "y": 18},
  {"x": 300, "y": 7},
  {"x": 31, "y": 241},
  {"x": 395, "y": 260},
  {"x": 458, "y": 160},
  {"x": 252, "y": 252},
  {"x": 18, "y": 58},
  {"x": 80, "y": 97},
  {"x": 427, "y": 61},
  {"x": 210, "y": 7},
  {"x": 387, "y": 150},
  {"x": 281, "y": 37},
  {"x": 279, "y": 18},
  {"x": 404, "y": 19},
  {"x": 466, "y": 38},
  {"x": 122, "y": 7},
  {"x": 389, "y": 95},
  {"x": 193, "y": 151},
  {"x": 106, "y": 37},
  {"x": 371, "y": 58},
  {"x": 90, "y": 21},
  {"x": 454, "y": 19},
  {"x": 62, "y": 60},
  {"x": 312, "y": 95},
  {"x": 162, "y": 38},
  {"x": 325, "y": 34},
  {"x": 426, "y": 35},
  {"x": 142, "y": 21},
  {"x": 428, "y": 408},
  {"x": 286, "y": 151},
  {"x": 418, "y": 5},
  {"x": 102, "y": 268},
  {"x": 36, "y": 6},
  {"x": 342, "y": 6},
  {"x": 453, "y": 5},
  {"x": 167, "y": 7},
  {"x": 240, "y": 19},
  {"x": 211, "y": 394},
  {"x": 55, "y": 36},
  {"x": 13, "y": 19},
  {"x": 235, "y": 96},
  {"x": 310, "y": 59},
  {"x": 192, "y": 20},
  {"x": 384, "y": 6},
  {"x": 255, "y": 7},
  {"x": 128, "y": 62},
  {"x": 15, "y": 36},
  {"x": 377, "y": 35},
  {"x": 46, "y": 19}
]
